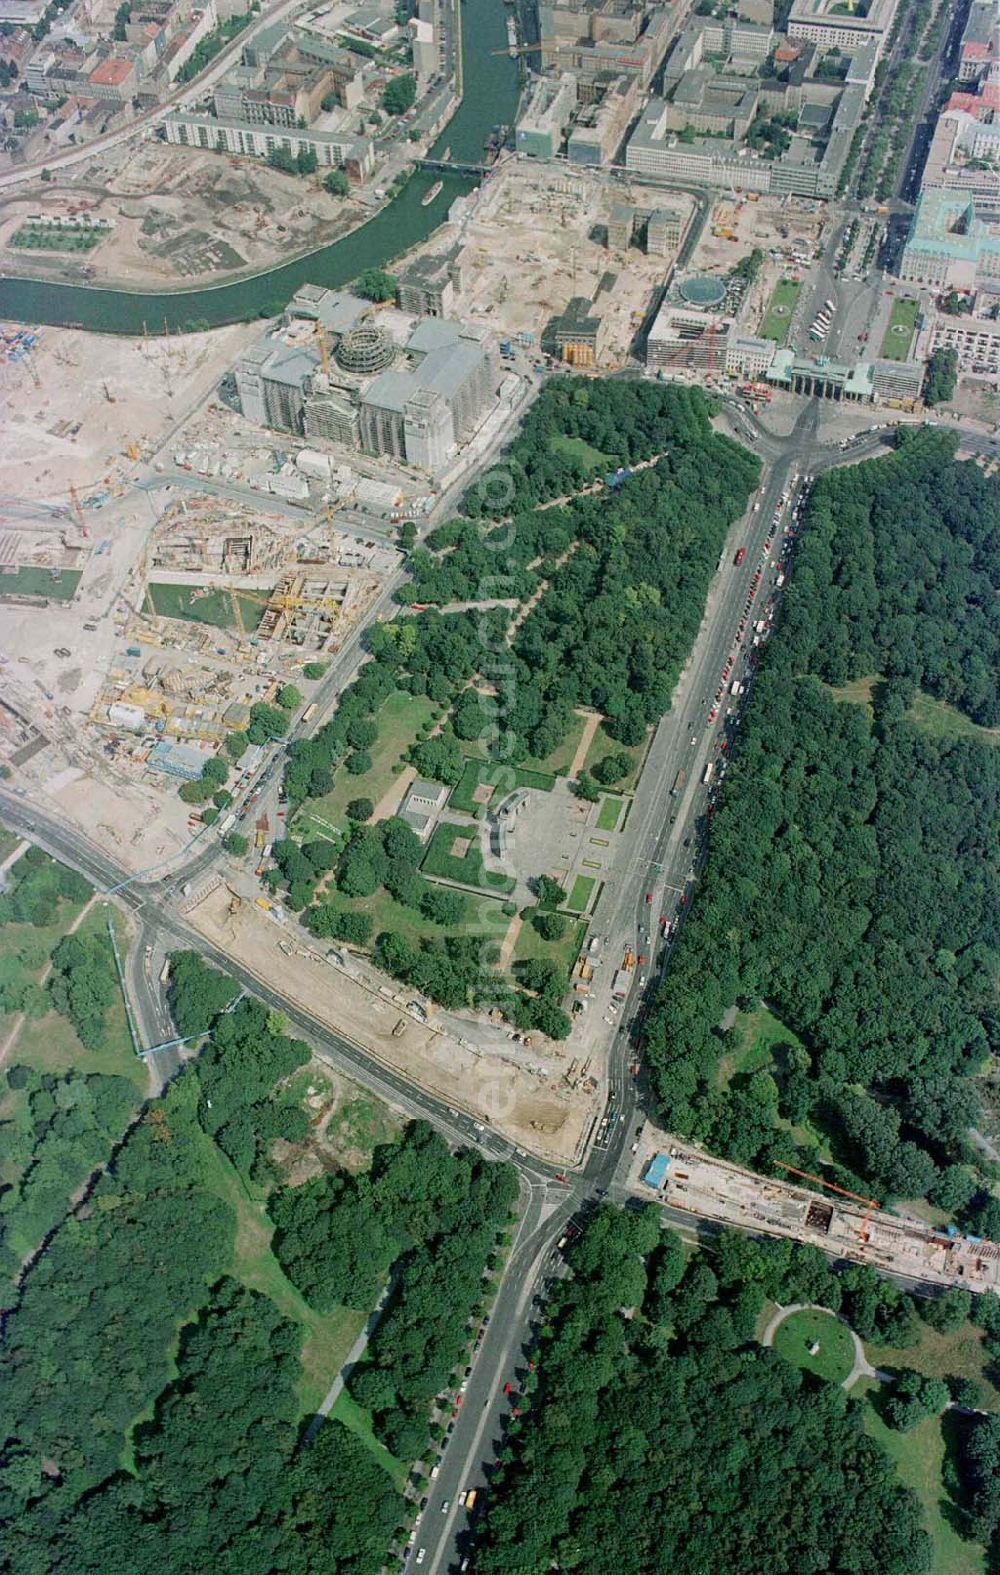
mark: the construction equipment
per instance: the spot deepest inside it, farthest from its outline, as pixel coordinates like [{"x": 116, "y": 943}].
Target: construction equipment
[
  {"x": 78, "y": 511},
  {"x": 871, "y": 1204},
  {"x": 322, "y": 346}
]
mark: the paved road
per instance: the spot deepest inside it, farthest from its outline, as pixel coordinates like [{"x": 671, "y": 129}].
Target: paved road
[{"x": 552, "y": 1198}]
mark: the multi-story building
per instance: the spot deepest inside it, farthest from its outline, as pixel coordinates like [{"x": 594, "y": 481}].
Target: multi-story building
[
  {"x": 832, "y": 25},
  {"x": 747, "y": 356},
  {"x": 949, "y": 246},
  {"x": 601, "y": 123},
  {"x": 333, "y": 149},
  {"x": 980, "y": 46},
  {"x": 687, "y": 341},
  {"x": 428, "y": 287},
  {"x": 898, "y": 381},
  {"x": 664, "y": 231},
  {"x": 113, "y": 79},
  {"x": 597, "y": 38},
  {"x": 413, "y": 400},
  {"x": 423, "y": 48},
  {"x": 704, "y": 101},
  {"x": 577, "y": 335},
  {"x": 620, "y": 222},
  {"x": 545, "y": 119}
]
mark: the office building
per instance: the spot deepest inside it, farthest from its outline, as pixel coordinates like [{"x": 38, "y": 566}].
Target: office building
[
  {"x": 747, "y": 356},
  {"x": 545, "y": 120},
  {"x": 949, "y": 246},
  {"x": 595, "y": 39},
  {"x": 664, "y": 232},
  {"x": 333, "y": 149},
  {"x": 428, "y": 287},
  {"x": 576, "y": 336},
  {"x": 832, "y": 25},
  {"x": 687, "y": 340},
  {"x": 602, "y": 121}
]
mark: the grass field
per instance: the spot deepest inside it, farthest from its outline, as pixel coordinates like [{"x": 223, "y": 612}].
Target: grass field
[
  {"x": 857, "y": 692},
  {"x": 9, "y": 840},
  {"x": 199, "y": 604},
  {"x": 327, "y": 1337},
  {"x": 501, "y": 778},
  {"x": 356, "y": 1419},
  {"x": 958, "y": 1355},
  {"x": 563, "y": 953},
  {"x": 59, "y": 585},
  {"x": 399, "y": 721},
  {"x": 778, "y": 318},
  {"x": 750, "y": 1044},
  {"x": 609, "y": 813},
  {"x": 902, "y": 325},
  {"x": 941, "y": 720},
  {"x": 558, "y": 762},
  {"x": 920, "y": 1459},
  {"x": 580, "y": 894},
  {"x": 796, "y": 1334},
  {"x": 467, "y": 867},
  {"x": 603, "y": 744},
  {"x": 579, "y": 448},
  {"x": 388, "y": 914}
]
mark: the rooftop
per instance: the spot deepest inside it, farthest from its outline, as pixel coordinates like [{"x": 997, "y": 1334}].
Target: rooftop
[{"x": 112, "y": 72}]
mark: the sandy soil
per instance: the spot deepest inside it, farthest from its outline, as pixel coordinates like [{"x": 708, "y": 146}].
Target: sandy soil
[
  {"x": 178, "y": 214},
  {"x": 545, "y": 1117}
]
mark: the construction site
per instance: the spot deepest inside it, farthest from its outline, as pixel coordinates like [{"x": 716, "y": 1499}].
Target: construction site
[
  {"x": 538, "y": 238},
  {"x": 175, "y": 214},
  {"x": 840, "y": 1223}
]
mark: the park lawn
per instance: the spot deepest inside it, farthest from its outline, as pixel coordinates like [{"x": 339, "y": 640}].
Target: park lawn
[
  {"x": 857, "y": 692},
  {"x": 752, "y": 1038},
  {"x": 502, "y": 778},
  {"x": 900, "y": 329},
  {"x": 357, "y": 1420},
  {"x": 603, "y": 744},
  {"x": 959, "y": 1354},
  {"x": 778, "y": 318},
  {"x": 579, "y": 448},
  {"x": 359, "y": 1126},
  {"x": 563, "y": 953},
  {"x": 608, "y": 814},
  {"x": 558, "y": 761},
  {"x": 941, "y": 720},
  {"x": 399, "y": 721},
  {"x": 59, "y": 585},
  {"x": 796, "y": 1334},
  {"x": 919, "y": 1457},
  {"x": 467, "y": 867},
  {"x": 580, "y": 894},
  {"x": 204, "y": 604}
]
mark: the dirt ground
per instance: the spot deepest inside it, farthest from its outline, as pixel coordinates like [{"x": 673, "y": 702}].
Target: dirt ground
[
  {"x": 178, "y": 214},
  {"x": 544, "y": 1117},
  {"x": 70, "y": 409},
  {"x": 772, "y": 223},
  {"x": 536, "y": 237}
]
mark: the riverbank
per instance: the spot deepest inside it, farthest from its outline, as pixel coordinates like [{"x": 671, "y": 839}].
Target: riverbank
[{"x": 490, "y": 98}]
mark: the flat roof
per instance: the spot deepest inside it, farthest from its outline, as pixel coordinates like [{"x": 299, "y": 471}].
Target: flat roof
[{"x": 112, "y": 72}]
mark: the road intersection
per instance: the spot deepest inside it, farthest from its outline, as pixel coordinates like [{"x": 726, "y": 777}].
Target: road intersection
[{"x": 660, "y": 858}]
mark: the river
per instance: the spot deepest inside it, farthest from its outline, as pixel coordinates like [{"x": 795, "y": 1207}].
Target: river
[{"x": 489, "y": 96}]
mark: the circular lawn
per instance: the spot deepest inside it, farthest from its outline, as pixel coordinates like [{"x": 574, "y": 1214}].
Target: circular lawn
[{"x": 796, "y": 1335}]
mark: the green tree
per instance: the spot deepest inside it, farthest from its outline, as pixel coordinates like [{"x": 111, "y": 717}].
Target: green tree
[
  {"x": 289, "y": 698},
  {"x": 399, "y": 95},
  {"x": 360, "y": 809},
  {"x": 375, "y": 285},
  {"x": 236, "y": 844},
  {"x": 338, "y": 185}
]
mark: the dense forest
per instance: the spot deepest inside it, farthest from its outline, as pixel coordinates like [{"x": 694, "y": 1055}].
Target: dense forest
[
  {"x": 149, "y": 1398},
  {"x": 431, "y": 1220},
  {"x": 620, "y": 575},
  {"x": 655, "y": 1434},
  {"x": 851, "y": 879}
]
